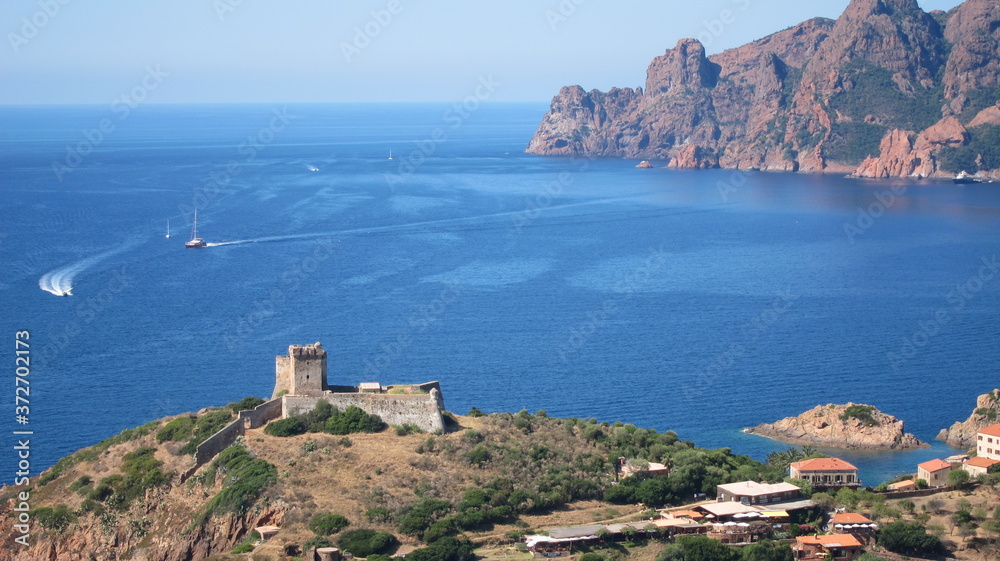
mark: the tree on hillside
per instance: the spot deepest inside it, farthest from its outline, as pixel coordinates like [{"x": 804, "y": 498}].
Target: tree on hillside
[
  {"x": 958, "y": 478},
  {"x": 909, "y": 538}
]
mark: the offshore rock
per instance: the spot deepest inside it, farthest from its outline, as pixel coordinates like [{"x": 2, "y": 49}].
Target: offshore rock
[
  {"x": 824, "y": 426},
  {"x": 962, "y": 434}
]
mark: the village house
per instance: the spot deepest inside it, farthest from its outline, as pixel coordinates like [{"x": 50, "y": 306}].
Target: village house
[
  {"x": 979, "y": 465},
  {"x": 841, "y": 547},
  {"x": 628, "y": 468},
  {"x": 825, "y": 473},
  {"x": 934, "y": 472},
  {"x": 904, "y": 485},
  {"x": 857, "y": 525},
  {"x": 751, "y": 492},
  {"x": 988, "y": 442}
]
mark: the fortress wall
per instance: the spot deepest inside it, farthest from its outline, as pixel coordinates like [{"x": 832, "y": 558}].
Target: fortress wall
[
  {"x": 262, "y": 414},
  {"x": 251, "y": 419},
  {"x": 282, "y": 374},
  {"x": 424, "y": 410},
  {"x": 218, "y": 442}
]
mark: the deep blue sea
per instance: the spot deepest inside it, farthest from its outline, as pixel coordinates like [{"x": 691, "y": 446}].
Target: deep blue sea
[{"x": 701, "y": 302}]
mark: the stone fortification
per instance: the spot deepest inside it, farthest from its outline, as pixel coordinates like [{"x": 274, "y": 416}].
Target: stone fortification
[{"x": 301, "y": 381}]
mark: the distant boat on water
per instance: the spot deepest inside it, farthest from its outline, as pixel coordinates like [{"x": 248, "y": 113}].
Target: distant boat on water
[
  {"x": 168, "y": 227},
  {"x": 195, "y": 240},
  {"x": 964, "y": 177},
  {"x": 390, "y": 153}
]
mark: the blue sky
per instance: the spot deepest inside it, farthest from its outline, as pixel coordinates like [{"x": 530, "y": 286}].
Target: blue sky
[{"x": 71, "y": 51}]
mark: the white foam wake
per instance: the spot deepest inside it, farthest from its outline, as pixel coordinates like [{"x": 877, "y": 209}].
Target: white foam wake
[
  {"x": 465, "y": 220},
  {"x": 60, "y": 281}
]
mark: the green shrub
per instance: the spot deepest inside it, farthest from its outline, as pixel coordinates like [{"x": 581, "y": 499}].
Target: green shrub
[
  {"x": 354, "y": 419},
  {"x": 291, "y": 426},
  {"x": 176, "y": 430},
  {"x": 444, "y": 549},
  {"x": 246, "y": 479},
  {"x": 246, "y": 404},
  {"x": 246, "y": 546},
  {"x": 591, "y": 557},
  {"x": 58, "y": 518},
  {"x": 326, "y": 524},
  {"x": 378, "y": 514},
  {"x": 909, "y": 538},
  {"x": 478, "y": 455},
  {"x": 862, "y": 413},
  {"x": 207, "y": 425},
  {"x": 407, "y": 429},
  {"x": 475, "y": 412},
  {"x": 365, "y": 542},
  {"x": 316, "y": 541},
  {"x": 418, "y": 517},
  {"x": 82, "y": 485}
]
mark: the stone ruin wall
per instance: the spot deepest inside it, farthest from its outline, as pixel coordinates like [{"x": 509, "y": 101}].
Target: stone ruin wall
[{"x": 423, "y": 410}]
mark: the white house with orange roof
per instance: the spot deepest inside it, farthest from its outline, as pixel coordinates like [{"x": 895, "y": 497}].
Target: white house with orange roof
[
  {"x": 825, "y": 472},
  {"x": 841, "y": 547},
  {"x": 934, "y": 472},
  {"x": 988, "y": 442},
  {"x": 979, "y": 465}
]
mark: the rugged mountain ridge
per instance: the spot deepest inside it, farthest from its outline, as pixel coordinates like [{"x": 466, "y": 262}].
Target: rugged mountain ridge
[
  {"x": 851, "y": 426},
  {"x": 885, "y": 90},
  {"x": 962, "y": 434}
]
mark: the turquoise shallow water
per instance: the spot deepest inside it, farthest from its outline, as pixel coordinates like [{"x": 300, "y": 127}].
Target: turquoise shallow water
[{"x": 700, "y": 302}]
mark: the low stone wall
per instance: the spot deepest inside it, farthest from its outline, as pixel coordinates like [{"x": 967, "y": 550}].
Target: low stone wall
[
  {"x": 915, "y": 493},
  {"x": 422, "y": 410},
  {"x": 251, "y": 419}
]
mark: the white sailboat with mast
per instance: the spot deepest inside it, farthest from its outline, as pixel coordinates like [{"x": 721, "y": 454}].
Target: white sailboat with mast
[{"x": 195, "y": 240}]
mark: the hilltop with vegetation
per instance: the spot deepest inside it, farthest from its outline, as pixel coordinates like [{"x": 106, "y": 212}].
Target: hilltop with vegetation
[
  {"x": 962, "y": 434},
  {"x": 344, "y": 478}
]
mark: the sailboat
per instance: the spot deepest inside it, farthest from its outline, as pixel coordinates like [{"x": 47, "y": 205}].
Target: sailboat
[
  {"x": 195, "y": 240},
  {"x": 168, "y": 227}
]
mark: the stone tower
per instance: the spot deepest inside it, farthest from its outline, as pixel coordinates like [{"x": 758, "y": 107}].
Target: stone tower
[{"x": 302, "y": 372}]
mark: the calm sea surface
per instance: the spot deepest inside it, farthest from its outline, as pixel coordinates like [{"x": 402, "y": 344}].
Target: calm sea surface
[{"x": 701, "y": 302}]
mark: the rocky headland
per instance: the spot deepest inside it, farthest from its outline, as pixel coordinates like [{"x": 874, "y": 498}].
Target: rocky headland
[
  {"x": 962, "y": 434},
  {"x": 886, "y": 90},
  {"x": 850, "y": 426}
]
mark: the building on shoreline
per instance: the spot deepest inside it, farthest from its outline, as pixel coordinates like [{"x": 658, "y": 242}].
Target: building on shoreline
[{"x": 825, "y": 473}]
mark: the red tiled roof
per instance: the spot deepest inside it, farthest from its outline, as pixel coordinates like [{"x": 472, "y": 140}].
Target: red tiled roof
[
  {"x": 823, "y": 464},
  {"x": 981, "y": 462},
  {"x": 903, "y": 484},
  {"x": 849, "y": 518},
  {"x": 832, "y": 540},
  {"x": 992, "y": 430},
  {"x": 934, "y": 465}
]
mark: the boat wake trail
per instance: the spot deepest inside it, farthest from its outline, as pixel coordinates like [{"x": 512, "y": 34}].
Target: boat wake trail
[
  {"x": 60, "y": 281},
  {"x": 414, "y": 226}
]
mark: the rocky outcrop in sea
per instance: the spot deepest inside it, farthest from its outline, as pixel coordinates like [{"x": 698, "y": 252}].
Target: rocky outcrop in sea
[
  {"x": 851, "y": 426},
  {"x": 962, "y": 434}
]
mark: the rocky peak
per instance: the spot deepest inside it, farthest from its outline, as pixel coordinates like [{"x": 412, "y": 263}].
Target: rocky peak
[
  {"x": 684, "y": 66},
  {"x": 974, "y": 33}
]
